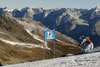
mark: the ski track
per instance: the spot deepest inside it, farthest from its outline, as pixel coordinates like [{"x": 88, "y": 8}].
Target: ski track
[{"x": 84, "y": 60}]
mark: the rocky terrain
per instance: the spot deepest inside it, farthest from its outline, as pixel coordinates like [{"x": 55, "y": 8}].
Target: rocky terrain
[
  {"x": 71, "y": 22},
  {"x": 22, "y": 32},
  {"x": 22, "y": 41}
]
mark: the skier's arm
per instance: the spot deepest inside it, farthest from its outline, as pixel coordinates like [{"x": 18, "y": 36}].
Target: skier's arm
[{"x": 84, "y": 40}]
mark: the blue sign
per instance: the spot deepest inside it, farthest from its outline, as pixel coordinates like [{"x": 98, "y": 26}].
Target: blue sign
[{"x": 49, "y": 34}]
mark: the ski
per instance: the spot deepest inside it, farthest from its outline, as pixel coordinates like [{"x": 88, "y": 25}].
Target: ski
[{"x": 82, "y": 52}]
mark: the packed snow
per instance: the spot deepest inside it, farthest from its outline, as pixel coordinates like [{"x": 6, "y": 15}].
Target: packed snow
[{"x": 83, "y": 60}]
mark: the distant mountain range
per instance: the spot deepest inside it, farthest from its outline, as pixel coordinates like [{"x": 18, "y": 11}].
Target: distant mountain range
[{"x": 71, "y": 22}]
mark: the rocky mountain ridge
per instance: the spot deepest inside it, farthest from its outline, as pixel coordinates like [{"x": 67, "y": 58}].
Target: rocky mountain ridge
[
  {"x": 22, "y": 41},
  {"x": 25, "y": 28},
  {"x": 71, "y": 22}
]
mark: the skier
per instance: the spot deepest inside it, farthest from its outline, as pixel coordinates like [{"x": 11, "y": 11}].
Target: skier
[{"x": 86, "y": 43}]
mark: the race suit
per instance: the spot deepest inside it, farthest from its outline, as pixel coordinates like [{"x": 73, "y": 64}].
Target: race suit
[{"x": 87, "y": 45}]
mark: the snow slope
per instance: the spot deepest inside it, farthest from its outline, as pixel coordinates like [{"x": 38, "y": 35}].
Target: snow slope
[{"x": 84, "y": 60}]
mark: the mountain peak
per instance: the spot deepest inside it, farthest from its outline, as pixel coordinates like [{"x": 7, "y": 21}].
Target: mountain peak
[
  {"x": 26, "y": 8},
  {"x": 8, "y": 9},
  {"x": 97, "y": 8},
  {"x": 5, "y": 8}
]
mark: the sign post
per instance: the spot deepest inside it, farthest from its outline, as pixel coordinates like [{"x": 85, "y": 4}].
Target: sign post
[
  {"x": 44, "y": 46},
  {"x": 54, "y": 43},
  {"x": 49, "y": 35}
]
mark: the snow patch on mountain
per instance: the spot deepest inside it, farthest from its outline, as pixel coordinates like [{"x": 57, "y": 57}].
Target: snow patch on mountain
[
  {"x": 29, "y": 27},
  {"x": 30, "y": 45},
  {"x": 24, "y": 9},
  {"x": 37, "y": 38},
  {"x": 8, "y": 9},
  {"x": 21, "y": 44},
  {"x": 97, "y": 9},
  {"x": 19, "y": 9}
]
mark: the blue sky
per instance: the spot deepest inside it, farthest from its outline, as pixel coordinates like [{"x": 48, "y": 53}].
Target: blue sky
[{"x": 48, "y": 4}]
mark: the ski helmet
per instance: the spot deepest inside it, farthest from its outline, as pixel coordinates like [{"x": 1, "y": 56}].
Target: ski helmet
[{"x": 81, "y": 37}]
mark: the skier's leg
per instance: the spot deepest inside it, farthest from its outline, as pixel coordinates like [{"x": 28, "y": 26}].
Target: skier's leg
[
  {"x": 92, "y": 46},
  {"x": 87, "y": 48}
]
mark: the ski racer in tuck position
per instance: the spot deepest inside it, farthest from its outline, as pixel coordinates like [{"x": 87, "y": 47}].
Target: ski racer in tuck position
[{"x": 86, "y": 44}]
